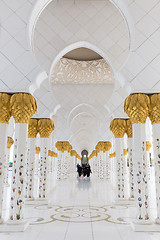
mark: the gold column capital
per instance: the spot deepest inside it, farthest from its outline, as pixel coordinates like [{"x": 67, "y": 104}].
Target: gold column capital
[
  {"x": 154, "y": 114},
  {"x": 5, "y": 108},
  {"x": 59, "y": 146},
  {"x": 125, "y": 152},
  {"x": 73, "y": 153},
  {"x": 23, "y": 106},
  {"x": 137, "y": 107},
  {"x": 94, "y": 153},
  {"x": 107, "y": 146},
  {"x": 112, "y": 155},
  {"x": 100, "y": 146},
  {"x": 10, "y": 142},
  {"x": 49, "y": 153},
  {"x": 37, "y": 149},
  {"x": 45, "y": 127},
  {"x": 148, "y": 145},
  {"x": 129, "y": 128},
  {"x": 118, "y": 127},
  {"x": 32, "y": 128}
]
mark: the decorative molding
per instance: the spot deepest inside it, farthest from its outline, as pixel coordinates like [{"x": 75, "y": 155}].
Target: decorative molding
[{"x": 68, "y": 71}]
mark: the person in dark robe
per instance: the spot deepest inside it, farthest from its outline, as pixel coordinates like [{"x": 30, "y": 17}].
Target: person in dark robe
[
  {"x": 79, "y": 170},
  {"x": 88, "y": 170}
]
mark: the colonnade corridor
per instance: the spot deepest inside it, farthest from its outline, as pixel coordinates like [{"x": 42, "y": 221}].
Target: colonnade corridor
[{"x": 78, "y": 209}]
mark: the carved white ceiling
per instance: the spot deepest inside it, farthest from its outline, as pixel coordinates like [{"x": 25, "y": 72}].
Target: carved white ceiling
[
  {"x": 20, "y": 70},
  {"x": 68, "y": 71}
]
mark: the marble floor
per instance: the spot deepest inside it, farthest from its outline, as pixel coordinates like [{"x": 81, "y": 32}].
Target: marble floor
[{"x": 78, "y": 209}]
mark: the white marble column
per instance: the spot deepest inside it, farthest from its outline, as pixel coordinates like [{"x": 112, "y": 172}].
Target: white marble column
[
  {"x": 23, "y": 106},
  {"x": 137, "y": 106},
  {"x": 10, "y": 142},
  {"x": 30, "y": 170},
  {"x": 43, "y": 168},
  {"x": 119, "y": 166},
  {"x": 45, "y": 127},
  {"x": 131, "y": 170},
  {"x": 118, "y": 127},
  {"x": 3, "y": 147},
  {"x": 18, "y": 174},
  {"x": 156, "y": 148}
]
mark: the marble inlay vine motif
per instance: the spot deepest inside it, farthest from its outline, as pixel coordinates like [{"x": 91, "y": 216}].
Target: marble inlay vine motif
[
  {"x": 69, "y": 71},
  {"x": 142, "y": 182},
  {"x": 80, "y": 214}
]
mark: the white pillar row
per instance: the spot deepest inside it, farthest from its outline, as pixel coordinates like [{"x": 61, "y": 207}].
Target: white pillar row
[
  {"x": 155, "y": 120},
  {"x": 5, "y": 115},
  {"x": 10, "y": 142},
  {"x": 137, "y": 107},
  {"x": 23, "y": 106},
  {"x": 30, "y": 162},
  {"x": 45, "y": 127},
  {"x": 118, "y": 127}
]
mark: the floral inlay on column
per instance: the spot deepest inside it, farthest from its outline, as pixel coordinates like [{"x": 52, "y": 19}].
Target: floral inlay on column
[
  {"x": 45, "y": 127},
  {"x": 118, "y": 127},
  {"x": 137, "y": 107},
  {"x": 23, "y": 106},
  {"x": 30, "y": 164}
]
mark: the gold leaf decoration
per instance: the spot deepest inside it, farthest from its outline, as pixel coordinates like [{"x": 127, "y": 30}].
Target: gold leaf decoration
[
  {"x": 37, "y": 150},
  {"x": 5, "y": 109},
  {"x": 118, "y": 127},
  {"x": 137, "y": 106},
  {"x": 32, "y": 128},
  {"x": 73, "y": 153},
  {"x": 148, "y": 146},
  {"x": 107, "y": 146},
  {"x": 154, "y": 114},
  {"x": 129, "y": 128},
  {"x": 10, "y": 142},
  {"x": 45, "y": 127},
  {"x": 23, "y": 106},
  {"x": 125, "y": 152},
  {"x": 112, "y": 155},
  {"x": 100, "y": 146}
]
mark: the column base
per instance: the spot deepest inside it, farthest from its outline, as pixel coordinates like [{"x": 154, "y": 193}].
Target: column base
[
  {"x": 14, "y": 226},
  {"x": 132, "y": 199},
  {"x": 39, "y": 201},
  {"x": 145, "y": 226},
  {"x": 29, "y": 201},
  {"x": 123, "y": 202}
]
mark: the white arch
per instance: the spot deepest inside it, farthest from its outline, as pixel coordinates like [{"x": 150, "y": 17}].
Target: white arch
[
  {"x": 40, "y": 5},
  {"x": 83, "y": 107}
]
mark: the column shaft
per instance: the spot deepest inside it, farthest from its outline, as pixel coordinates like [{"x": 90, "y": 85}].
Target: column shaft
[
  {"x": 30, "y": 168},
  {"x": 141, "y": 178},
  {"x": 3, "y": 147},
  {"x": 17, "y": 187}
]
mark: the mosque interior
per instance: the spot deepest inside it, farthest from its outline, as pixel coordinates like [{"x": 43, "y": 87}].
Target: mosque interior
[{"x": 79, "y": 91}]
